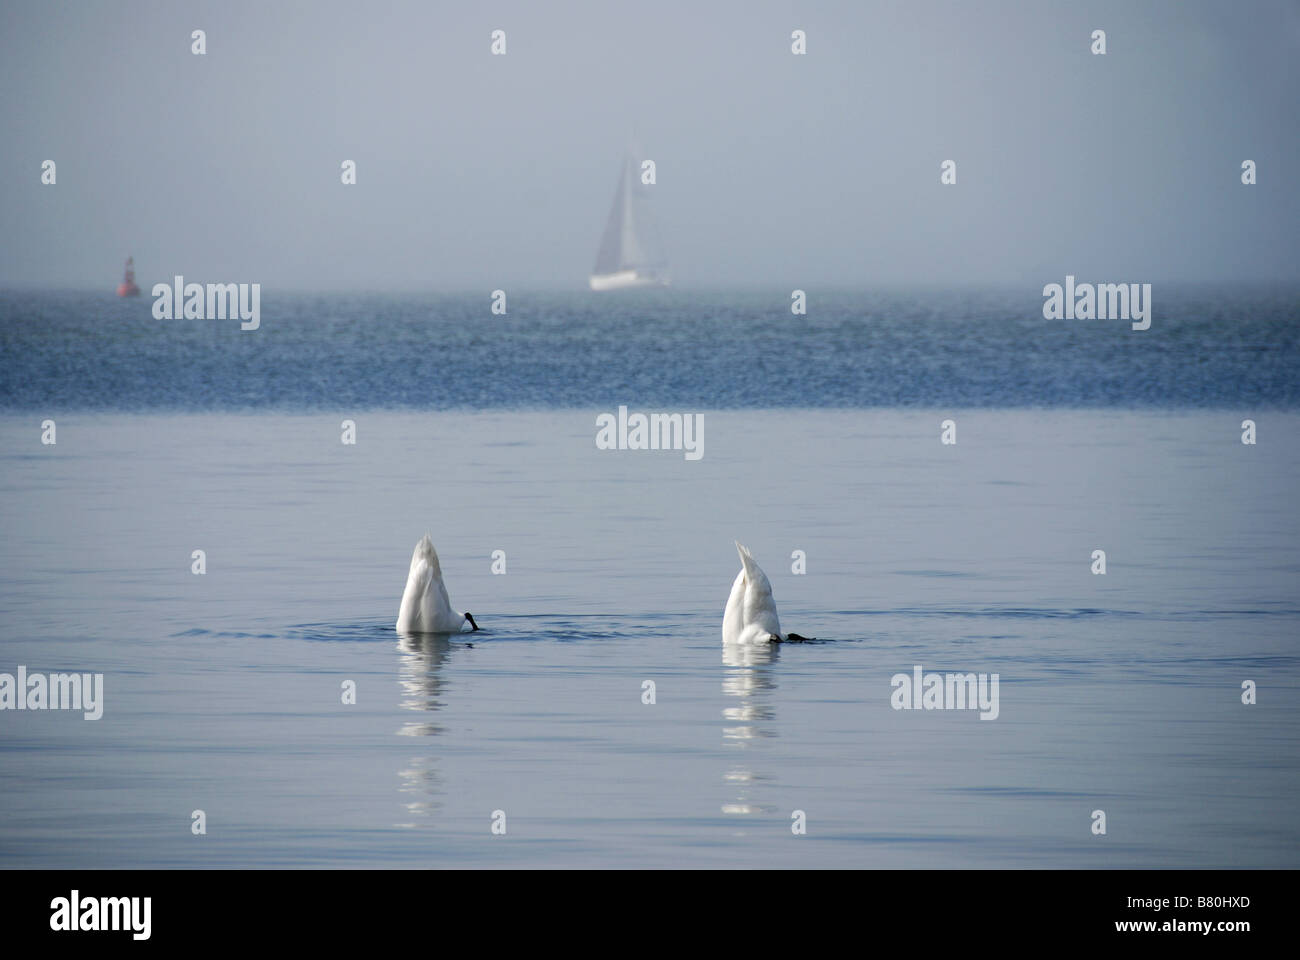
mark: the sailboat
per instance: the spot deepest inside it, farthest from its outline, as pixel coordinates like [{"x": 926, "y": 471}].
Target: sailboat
[
  {"x": 630, "y": 254},
  {"x": 127, "y": 287}
]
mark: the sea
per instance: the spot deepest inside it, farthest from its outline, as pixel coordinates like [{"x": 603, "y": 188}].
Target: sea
[{"x": 219, "y": 522}]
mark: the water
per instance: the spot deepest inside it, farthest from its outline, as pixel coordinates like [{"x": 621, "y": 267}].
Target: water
[
  {"x": 1215, "y": 347},
  {"x": 223, "y": 692}
]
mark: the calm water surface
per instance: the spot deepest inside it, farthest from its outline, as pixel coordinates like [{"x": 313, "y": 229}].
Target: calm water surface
[{"x": 1118, "y": 692}]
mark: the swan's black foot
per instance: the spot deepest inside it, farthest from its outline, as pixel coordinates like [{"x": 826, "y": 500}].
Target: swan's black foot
[{"x": 795, "y": 638}]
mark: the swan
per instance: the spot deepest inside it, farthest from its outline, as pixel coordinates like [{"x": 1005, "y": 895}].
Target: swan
[
  {"x": 425, "y": 607},
  {"x": 750, "y": 616}
]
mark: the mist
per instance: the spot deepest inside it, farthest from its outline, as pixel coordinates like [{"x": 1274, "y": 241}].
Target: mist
[{"x": 477, "y": 171}]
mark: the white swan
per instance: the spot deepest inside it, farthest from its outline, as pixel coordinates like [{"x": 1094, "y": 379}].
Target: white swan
[
  {"x": 750, "y": 616},
  {"x": 425, "y": 607}
]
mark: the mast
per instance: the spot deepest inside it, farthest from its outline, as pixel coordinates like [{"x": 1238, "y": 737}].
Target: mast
[{"x": 610, "y": 256}]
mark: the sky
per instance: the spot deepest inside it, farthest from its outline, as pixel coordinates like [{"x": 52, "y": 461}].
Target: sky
[{"x": 477, "y": 171}]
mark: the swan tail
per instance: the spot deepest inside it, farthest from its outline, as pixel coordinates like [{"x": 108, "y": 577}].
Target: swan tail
[
  {"x": 748, "y": 562},
  {"x": 424, "y": 551}
]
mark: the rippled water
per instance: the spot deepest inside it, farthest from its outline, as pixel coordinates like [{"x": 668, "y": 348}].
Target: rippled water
[
  {"x": 1207, "y": 347},
  {"x": 1118, "y": 692}
]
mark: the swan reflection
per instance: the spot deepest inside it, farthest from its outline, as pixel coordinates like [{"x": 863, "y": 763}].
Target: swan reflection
[
  {"x": 748, "y": 678},
  {"x": 423, "y": 689}
]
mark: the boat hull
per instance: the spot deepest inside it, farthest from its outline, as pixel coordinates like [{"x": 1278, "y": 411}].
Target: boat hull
[{"x": 624, "y": 279}]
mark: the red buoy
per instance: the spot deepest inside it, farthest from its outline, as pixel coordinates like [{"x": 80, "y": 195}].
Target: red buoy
[{"x": 127, "y": 287}]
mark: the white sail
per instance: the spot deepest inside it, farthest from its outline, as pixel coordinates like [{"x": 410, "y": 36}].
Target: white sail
[{"x": 630, "y": 254}]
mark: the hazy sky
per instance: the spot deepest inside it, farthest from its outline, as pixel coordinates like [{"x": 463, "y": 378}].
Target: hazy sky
[{"x": 479, "y": 171}]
